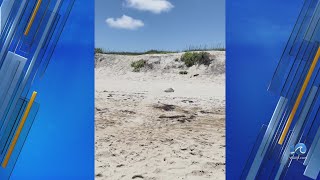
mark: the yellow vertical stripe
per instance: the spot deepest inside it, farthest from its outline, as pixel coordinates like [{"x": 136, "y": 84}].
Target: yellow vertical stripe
[
  {"x": 35, "y": 11},
  {"x": 296, "y": 105},
  {"x": 16, "y": 136}
]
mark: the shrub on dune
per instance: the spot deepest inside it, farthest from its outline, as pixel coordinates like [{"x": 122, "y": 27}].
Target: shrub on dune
[
  {"x": 137, "y": 65},
  {"x": 196, "y": 58}
]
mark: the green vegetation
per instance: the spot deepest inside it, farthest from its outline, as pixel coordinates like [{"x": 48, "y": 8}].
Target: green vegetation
[
  {"x": 183, "y": 72},
  {"x": 152, "y": 51},
  {"x": 196, "y": 58},
  {"x": 137, "y": 65},
  {"x": 99, "y": 50},
  {"x": 199, "y": 48},
  {"x": 139, "y": 53},
  {"x": 217, "y": 47}
]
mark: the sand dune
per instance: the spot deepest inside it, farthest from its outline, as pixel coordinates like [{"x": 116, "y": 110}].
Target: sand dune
[{"x": 143, "y": 132}]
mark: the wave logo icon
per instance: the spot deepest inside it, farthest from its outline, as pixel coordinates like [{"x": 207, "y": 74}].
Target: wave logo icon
[{"x": 299, "y": 149}]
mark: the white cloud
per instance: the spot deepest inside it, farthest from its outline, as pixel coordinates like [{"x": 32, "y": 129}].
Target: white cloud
[
  {"x": 125, "y": 22},
  {"x": 155, "y": 6}
]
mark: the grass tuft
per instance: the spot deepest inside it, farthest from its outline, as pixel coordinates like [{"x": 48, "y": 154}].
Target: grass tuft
[
  {"x": 196, "y": 58},
  {"x": 99, "y": 50},
  {"x": 137, "y": 65}
]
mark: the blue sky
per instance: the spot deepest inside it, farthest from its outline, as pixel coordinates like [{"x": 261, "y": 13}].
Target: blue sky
[{"x": 140, "y": 25}]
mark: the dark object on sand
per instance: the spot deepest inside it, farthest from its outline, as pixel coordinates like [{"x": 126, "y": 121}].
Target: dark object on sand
[
  {"x": 137, "y": 176},
  {"x": 169, "y": 90},
  {"x": 172, "y": 117},
  {"x": 165, "y": 107}
]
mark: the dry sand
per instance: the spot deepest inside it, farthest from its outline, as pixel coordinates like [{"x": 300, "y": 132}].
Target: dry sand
[{"x": 145, "y": 133}]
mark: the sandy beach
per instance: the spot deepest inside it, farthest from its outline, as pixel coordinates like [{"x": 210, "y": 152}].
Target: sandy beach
[{"x": 159, "y": 124}]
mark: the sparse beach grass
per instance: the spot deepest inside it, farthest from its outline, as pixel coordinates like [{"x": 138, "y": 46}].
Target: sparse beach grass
[
  {"x": 155, "y": 51},
  {"x": 137, "y": 65},
  {"x": 196, "y": 58}
]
